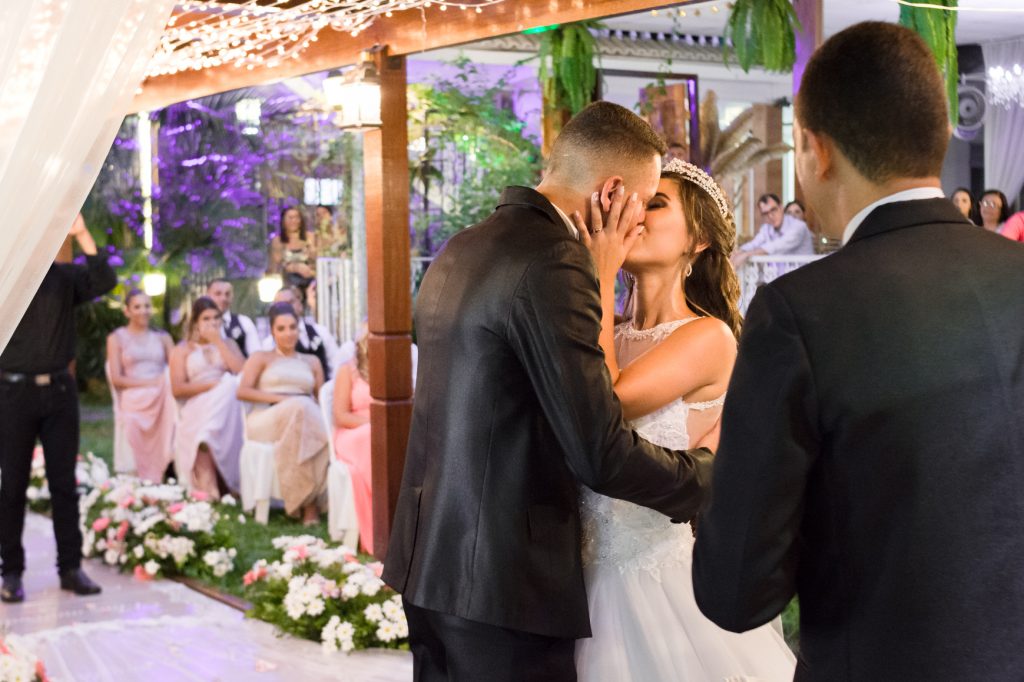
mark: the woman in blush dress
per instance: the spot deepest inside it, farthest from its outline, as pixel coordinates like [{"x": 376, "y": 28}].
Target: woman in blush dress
[
  {"x": 352, "y": 435},
  {"x": 283, "y": 384},
  {"x": 137, "y": 357},
  {"x": 676, "y": 351},
  {"x": 204, "y": 370}
]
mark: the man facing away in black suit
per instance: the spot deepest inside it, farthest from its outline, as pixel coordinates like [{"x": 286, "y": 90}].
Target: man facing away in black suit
[
  {"x": 872, "y": 450},
  {"x": 514, "y": 410}
]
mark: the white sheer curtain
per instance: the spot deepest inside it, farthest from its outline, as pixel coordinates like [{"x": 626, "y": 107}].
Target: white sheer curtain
[
  {"x": 68, "y": 72},
  {"x": 1004, "y": 128}
]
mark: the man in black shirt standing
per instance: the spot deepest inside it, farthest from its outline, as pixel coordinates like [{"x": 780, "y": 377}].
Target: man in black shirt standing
[{"x": 39, "y": 399}]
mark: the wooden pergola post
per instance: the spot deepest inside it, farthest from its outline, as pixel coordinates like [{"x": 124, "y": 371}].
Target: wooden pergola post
[{"x": 386, "y": 171}]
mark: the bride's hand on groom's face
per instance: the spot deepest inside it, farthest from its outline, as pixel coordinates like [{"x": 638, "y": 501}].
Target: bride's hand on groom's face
[{"x": 611, "y": 235}]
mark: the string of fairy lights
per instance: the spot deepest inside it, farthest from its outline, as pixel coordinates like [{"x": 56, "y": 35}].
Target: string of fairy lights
[{"x": 248, "y": 34}]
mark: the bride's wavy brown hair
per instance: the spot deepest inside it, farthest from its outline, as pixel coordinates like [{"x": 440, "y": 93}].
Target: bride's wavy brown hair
[{"x": 712, "y": 289}]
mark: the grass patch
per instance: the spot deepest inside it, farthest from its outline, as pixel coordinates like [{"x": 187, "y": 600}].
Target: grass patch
[{"x": 254, "y": 542}]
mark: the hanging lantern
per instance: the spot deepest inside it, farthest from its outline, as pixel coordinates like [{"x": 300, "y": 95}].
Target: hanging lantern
[
  {"x": 268, "y": 287},
  {"x": 355, "y": 94}
]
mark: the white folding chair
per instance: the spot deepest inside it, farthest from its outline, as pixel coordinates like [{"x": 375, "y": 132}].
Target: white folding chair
[
  {"x": 259, "y": 481},
  {"x": 342, "y": 522},
  {"x": 124, "y": 458}
]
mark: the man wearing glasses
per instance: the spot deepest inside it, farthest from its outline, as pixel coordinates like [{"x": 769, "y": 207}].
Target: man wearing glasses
[{"x": 780, "y": 234}]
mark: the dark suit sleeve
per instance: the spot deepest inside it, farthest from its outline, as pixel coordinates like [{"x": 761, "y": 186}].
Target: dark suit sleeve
[
  {"x": 93, "y": 279},
  {"x": 745, "y": 559},
  {"x": 553, "y": 328}
]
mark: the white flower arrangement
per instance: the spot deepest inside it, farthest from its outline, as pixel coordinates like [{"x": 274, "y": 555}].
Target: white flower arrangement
[
  {"x": 155, "y": 530},
  {"x": 325, "y": 593},
  {"x": 221, "y": 561},
  {"x": 90, "y": 471},
  {"x": 17, "y": 663}
]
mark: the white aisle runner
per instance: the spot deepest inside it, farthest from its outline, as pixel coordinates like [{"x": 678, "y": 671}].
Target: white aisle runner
[{"x": 162, "y": 632}]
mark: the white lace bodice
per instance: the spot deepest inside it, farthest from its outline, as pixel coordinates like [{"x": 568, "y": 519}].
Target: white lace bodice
[{"x": 625, "y": 535}]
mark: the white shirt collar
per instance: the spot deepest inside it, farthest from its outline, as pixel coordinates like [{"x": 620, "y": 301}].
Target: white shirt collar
[
  {"x": 568, "y": 223},
  {"x": 914, "y": 194}
]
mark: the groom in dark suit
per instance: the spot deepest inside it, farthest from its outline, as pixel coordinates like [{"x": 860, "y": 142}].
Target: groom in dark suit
[
  {"x": 872, "y": 450},
  {"x": 514, "y": 410}
]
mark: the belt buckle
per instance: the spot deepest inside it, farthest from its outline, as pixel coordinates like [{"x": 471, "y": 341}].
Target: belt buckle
[{"x": 43, "y": 379}]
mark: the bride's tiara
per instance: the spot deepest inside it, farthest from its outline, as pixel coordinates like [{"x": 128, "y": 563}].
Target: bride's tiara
[{"x": 700, "y": 178}]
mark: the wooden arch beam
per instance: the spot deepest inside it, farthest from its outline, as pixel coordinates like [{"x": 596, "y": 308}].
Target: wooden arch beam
[{"x": 405, "y": 33}]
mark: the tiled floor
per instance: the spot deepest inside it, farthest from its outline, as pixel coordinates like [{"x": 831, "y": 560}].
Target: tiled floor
[{"x": 163, "y": 632}]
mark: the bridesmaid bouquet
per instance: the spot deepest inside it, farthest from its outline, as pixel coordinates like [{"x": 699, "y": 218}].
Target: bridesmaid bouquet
[
  {"x": 90, "y": 471},
  {"x": 17, "y": 664},
  {"x": 156, "y": 530},
  {"x": 326, "y": 594}
]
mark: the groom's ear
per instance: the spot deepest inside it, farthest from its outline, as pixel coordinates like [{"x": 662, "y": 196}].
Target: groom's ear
[{"x": 607, "y": 191}]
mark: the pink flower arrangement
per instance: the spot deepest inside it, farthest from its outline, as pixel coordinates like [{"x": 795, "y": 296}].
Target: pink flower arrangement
[
  {"x": 254, "y": 575},
  {"x": 122, "y": 531},
  {"x": 101, "y": 524},
  {"x": 141, "y": 574},
  {"x": 175, "y": 508},
  {"x": 127, "y": 502}
]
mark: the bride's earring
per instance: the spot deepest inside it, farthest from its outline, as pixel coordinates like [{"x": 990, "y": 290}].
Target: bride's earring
[{"x": 689, "y": 270}]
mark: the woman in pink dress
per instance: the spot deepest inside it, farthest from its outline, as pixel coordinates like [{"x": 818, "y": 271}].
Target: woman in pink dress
[
  {"x": 204, "y": 369},
  {"x": 137, "y": 356},
  {"x": 352, "y": 436}
]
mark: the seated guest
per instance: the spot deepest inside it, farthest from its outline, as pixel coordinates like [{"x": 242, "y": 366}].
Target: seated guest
[
  {"x": 352, "y": 435},
  {"x": 964, "y": 202},
  {"x": 994, "y": 209},
  {"x": 780, "y": 234},
  {"x": 1013, "y": 228},
  {"x": 237, "y": 327},
  {"x": 795, "y": 209},
  {"x": 137, "y": 356},
  {"x": 204, "y": 368},
  {"x": 283, "y": 384},
  {"x": 313, "y": 338}
]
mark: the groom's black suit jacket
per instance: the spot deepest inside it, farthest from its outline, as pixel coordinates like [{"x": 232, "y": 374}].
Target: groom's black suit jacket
[
  {"x": 872, "y": 456},
  {"x": 513, "y": 410}
]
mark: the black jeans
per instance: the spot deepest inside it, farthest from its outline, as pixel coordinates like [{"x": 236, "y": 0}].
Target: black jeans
[
  {"x": 452, "y": 649},
  {"x": 49, "y": 413}
]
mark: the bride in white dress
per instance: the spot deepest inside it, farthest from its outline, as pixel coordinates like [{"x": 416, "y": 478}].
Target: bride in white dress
[{"x": 676, "y": 349}]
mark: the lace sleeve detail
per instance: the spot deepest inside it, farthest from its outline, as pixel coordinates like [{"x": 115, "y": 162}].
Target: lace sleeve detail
[{"x": 657, "y": 333}]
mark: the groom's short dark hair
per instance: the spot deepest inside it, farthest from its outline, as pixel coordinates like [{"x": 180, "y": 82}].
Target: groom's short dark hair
[
  {"x": 605, "y": 130},
  {"x": 875, "y": 90}
]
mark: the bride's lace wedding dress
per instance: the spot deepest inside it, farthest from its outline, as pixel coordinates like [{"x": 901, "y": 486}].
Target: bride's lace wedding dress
[{"x": 645, "y": 621}]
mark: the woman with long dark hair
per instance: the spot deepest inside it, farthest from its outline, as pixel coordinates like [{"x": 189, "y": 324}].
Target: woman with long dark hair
[
  {"x": 283, "y": 385},
  {"x": 204, "y": 376},
  {"x": 964, "y": 202},
  {"x": 292, "y": 251},
  {"x": 670, "y": 362},
  {"x": 994, "y": 210}
]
